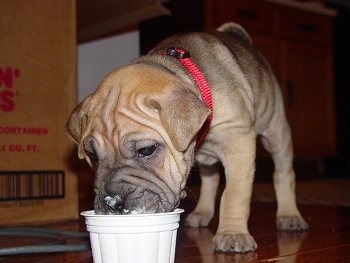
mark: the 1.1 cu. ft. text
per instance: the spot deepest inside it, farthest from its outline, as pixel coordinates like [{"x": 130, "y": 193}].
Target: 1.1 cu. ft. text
[{"x": 18, "y": 148}]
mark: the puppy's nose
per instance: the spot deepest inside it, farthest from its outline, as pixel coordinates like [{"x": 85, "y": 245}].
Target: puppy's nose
[{"x": 115, "y": 204}]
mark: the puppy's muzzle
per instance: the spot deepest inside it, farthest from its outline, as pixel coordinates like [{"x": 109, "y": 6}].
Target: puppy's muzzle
[
  {"x": 120, "y": 197},
  {"x": 135, "y": 191},
  {"x": 115, "y": 204}
]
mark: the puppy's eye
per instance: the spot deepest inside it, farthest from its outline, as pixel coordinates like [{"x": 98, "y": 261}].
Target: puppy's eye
[
  {"x": 92, "y": 156},
  {"x": 90, "y": 151},
  {"x": 147, "y": 151}
]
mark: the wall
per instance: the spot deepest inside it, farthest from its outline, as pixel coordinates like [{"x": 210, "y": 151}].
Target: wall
[{"x": 99, "y": 57}]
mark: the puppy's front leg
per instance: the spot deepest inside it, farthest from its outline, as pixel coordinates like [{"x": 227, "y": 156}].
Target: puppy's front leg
[
  {"x": 238, "y": 158},
  {"x": 205, "y": 208}
]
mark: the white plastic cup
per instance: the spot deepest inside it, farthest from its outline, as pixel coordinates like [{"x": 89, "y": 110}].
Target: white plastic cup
[{"x": 141, "y": 238}]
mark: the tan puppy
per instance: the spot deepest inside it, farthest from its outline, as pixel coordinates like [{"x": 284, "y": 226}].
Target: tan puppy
[{"x": 138, "y": 131}]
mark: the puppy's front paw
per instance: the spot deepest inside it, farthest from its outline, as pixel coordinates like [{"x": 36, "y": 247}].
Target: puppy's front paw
[
  {"x": 240, "y": 243},
  {"x": 291, "y": 223},
  {"x": 198, "y": 219}
]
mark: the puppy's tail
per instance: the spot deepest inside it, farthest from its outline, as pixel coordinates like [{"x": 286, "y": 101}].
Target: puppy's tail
[{"x": 236, "y": 29}]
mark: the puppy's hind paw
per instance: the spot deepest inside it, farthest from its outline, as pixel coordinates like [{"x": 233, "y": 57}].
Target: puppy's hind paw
[
  {"x": 234, "y": 243},
  {"x": 291, "y": 223},
  {"x": 198, "y": 219}
]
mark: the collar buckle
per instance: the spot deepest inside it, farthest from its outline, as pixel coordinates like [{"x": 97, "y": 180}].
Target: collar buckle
[{"x": 177, "y": 53}]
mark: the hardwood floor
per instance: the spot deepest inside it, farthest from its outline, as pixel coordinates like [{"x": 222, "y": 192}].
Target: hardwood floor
[{"x": 328, "y": 239}]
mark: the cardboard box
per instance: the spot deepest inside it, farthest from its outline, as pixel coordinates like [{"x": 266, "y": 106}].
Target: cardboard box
[{"x": 37, "y": 94}]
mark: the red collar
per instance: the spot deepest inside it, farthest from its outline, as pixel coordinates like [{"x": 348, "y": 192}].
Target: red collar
[{"x": 184, "y": 57}]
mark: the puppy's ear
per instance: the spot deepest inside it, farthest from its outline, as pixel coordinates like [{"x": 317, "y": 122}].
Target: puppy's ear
[
  {"x": 182, "y": 114},
  {"x": 75, "y": 127}
]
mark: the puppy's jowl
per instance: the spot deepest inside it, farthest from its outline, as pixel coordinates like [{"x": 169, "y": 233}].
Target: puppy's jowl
[{"x": 200, "y": 97}]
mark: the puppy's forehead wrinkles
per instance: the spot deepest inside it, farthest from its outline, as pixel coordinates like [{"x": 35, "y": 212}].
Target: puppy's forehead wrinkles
[{"x": 109, "y": 108}]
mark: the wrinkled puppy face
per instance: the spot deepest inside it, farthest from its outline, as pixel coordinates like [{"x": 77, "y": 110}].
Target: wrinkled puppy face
[{"x": 137, "y": 131}]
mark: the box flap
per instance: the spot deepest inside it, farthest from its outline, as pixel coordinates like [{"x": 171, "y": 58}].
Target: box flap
[{"x": 99, "y": 18}]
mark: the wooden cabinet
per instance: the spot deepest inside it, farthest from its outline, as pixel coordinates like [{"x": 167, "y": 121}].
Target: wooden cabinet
[
  {"x": 298, "y": 45},
  {"x": 309, "y": 98}
]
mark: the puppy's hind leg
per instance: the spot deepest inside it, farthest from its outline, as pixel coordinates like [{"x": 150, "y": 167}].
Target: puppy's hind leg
[
  {"x": 277, "y": 140},
  {"x": 205, "y": 208}
]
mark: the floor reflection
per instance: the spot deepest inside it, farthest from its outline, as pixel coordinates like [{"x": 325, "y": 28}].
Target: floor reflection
[
  {"x": 289, "y": 244},
  {"x": 285, "y": 250}
]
